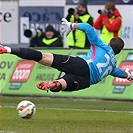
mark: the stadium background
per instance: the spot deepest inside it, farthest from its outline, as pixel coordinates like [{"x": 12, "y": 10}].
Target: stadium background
[{"x": 16, "y": 16}]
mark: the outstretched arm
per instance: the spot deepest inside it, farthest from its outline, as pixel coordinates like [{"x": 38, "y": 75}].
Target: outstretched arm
[
  {"x": 87, "y": 28},
  {"x": 122, "y": 74},
  {"x": 90, "y": 32}
]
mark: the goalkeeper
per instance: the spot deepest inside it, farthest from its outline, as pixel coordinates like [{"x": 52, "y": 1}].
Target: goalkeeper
[{"x": 80, "y": 72}]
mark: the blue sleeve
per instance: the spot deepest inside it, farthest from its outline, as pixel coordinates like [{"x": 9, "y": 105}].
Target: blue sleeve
[
  {"x": 117, "y": 72},
  {"x": 91, "y": 34}
]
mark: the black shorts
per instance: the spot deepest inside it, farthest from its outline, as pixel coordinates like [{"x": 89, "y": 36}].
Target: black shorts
[{"x": 77, "y": 73}]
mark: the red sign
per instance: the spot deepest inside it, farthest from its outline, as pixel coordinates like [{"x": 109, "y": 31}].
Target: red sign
[
  {"x": 22, "y": 71},
  {"x": 121, "y": 81}
]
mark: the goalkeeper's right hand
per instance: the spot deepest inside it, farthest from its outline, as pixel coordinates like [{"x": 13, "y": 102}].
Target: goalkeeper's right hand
[
  {"x": 130, "y": 75},
  {"x": 66, "y": 27}
]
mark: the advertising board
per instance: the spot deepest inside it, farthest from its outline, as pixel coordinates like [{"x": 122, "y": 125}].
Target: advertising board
[{"x": 19, "y": 77}]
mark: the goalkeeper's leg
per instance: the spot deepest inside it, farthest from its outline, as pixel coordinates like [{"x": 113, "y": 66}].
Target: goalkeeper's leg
[
  {"x": 29, "y": 54},
  {"x": 68, "y": 64},
  {"x": 68, "y": 82}
]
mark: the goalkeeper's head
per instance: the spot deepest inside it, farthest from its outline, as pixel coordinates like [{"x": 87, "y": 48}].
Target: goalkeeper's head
[{"x": 117, "y": 44}]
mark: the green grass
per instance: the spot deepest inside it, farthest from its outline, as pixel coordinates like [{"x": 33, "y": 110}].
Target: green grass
[{"x": 56, "y": 115}]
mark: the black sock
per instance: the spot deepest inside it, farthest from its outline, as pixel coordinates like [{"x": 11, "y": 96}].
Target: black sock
[{"x": 27, "y": 53}]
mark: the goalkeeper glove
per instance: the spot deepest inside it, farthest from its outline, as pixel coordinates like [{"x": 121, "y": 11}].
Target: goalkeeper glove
[
  {"x": 66, "y": 27},
  {"x": 130, "y": 76}
]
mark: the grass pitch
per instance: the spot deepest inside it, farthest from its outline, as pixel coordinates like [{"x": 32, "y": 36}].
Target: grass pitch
[{"x": 58, "y": 115}]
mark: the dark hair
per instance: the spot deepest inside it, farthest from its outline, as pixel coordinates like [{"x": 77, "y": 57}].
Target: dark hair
[
  {"x": 83, "y": 3},
  {"x": 50, "y": 28},
  {"x": 116, "y": 44}
]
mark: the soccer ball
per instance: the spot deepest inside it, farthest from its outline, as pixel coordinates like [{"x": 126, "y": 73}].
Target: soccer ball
[{"x": 26, "y": 109}]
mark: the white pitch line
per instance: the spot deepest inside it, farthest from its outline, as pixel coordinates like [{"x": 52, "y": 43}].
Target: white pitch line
[
  {"x": 92, "y": 110},
  {"x": 114, "y": 111}
]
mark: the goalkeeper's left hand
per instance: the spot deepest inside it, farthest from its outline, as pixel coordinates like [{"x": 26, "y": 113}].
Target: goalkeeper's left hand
[
  {"x": 66, "y": 27},
  {"x": 130, "y": 75}
]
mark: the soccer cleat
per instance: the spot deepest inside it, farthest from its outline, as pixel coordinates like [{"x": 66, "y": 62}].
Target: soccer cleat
[
  {"x": 2, "y": 49},
  {"x": 54, "y": 86}
]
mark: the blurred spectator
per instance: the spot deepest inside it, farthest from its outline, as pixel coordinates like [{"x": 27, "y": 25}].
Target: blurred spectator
[
  {"x": 51, "y": 38},
  {"x": 109, "y": 22},
  {"x": 77, "y": 38}
]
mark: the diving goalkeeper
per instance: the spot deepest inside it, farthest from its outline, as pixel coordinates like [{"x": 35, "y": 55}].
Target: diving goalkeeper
[{"x": 80, "y": 72}]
